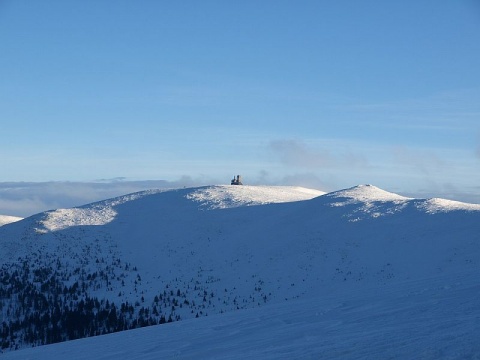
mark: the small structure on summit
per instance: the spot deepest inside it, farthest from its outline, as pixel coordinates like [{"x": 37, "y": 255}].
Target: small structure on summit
[{"x": 236, "y": 180}]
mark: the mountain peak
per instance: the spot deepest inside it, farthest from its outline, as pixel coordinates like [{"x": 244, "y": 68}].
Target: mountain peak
[
  {"x": 157, "y": 255},
  {"x": 366, "y": 193},
  {"x": 369, "y": 201}
]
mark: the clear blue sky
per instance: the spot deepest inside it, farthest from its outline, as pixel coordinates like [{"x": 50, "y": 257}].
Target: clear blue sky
[{"x": 327, "y": 94}]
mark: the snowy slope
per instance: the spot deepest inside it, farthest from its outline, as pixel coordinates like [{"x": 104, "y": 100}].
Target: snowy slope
[
  {"x": 204, "y": 251},
  {"x": 429, "y": 319},
  {"x": 222, "y": 197},
  {"x": 6, "y": 219}
]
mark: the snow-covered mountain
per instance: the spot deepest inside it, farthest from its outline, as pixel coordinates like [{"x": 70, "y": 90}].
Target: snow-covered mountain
[
  {"x": 160, "y": 256},
  {"x": 7, "y": 219}
]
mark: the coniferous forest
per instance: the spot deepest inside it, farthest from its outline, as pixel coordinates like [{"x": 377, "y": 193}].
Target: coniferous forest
[{"x": 45, "y": 302}]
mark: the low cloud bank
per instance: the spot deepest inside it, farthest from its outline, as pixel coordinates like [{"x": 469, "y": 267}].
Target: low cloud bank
[{"x": 27, "y": 198}]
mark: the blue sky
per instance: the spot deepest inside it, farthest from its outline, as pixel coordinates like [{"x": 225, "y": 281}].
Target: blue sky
[{"x": 326, "y": 94}]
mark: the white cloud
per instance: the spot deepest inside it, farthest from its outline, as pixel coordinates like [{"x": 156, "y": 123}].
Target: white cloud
[
  {"x": 422, "y": 161},
  {"x": 298, "y": 154},
  {"x": 308, "y": 180}
]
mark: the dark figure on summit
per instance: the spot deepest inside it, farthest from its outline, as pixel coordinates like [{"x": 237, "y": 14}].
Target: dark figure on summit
[{"x": 236, "y": 180}]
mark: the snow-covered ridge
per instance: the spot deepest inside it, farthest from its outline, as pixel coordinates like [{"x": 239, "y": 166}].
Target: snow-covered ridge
[
  {"x": 167, "y": 256},
  {"x": 366, "y": 193},
  {"x": 436, "y": 205},
  {"x": 210, "y": 197},
  {"x": 369, "y": 201},
  {"x": 227, "y": 196},
  {"x": 6, "y": 219},
  {"x": 100, "y": 213},
  {"x": 63, "y": 218}
]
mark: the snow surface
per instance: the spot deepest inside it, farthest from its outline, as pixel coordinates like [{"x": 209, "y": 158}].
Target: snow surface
[
  {"x": 100, "y": 213},
  {"x": 358, "y": 273},
  {"x": 222, "y": 197},
  {"x": 436, "y": 205},
  {"x": 213, "y": 197},
  {"x": 6, "y": 219},
  {"x": 367, "y": 194},
  {"x": 423, "y": 319},
  {"x": 371, "y": 201}
]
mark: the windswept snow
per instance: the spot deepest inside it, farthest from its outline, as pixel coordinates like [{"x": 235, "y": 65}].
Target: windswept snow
[
  {"x": 367, "y": 194},
  {"x": 357, "y": 273},
  {"x": 64, "y": 218},
  {"x": 436, "y": 205},
  {"x": 224, "y": 196},
  {"x": 6, "y": 219},
  {"x": 368, "y": 201},
  {"x": 211, "y": 197},
  {"x": 373, "y": 201},
  {"x": 97, "y": 214}
]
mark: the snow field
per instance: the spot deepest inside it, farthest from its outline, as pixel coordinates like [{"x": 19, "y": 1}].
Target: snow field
[
  {"x": 434, "y": 318},
  {"x": 208, "y": 252}
]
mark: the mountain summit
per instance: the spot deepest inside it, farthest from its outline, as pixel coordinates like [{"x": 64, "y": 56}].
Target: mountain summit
[{"x": 162, "y": 256}]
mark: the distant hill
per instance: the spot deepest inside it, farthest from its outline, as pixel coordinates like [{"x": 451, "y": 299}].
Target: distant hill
[
  {"x": 162, "y": 256},
  {"x": 6, "y": 219}
]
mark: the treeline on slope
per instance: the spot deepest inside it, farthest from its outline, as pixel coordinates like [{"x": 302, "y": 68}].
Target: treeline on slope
[
  {"x": 44, "y": 300},
  {"x": 37, "y": 307}
]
